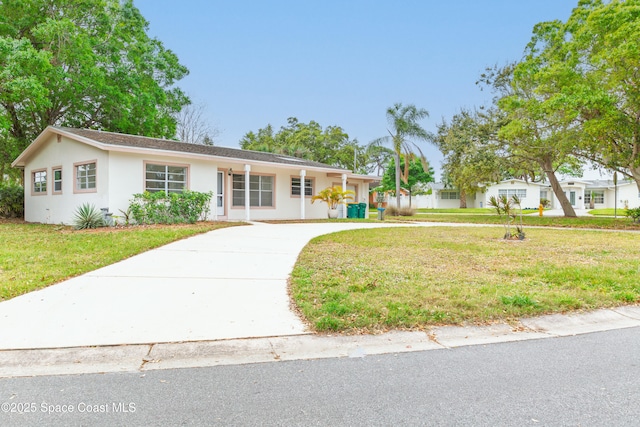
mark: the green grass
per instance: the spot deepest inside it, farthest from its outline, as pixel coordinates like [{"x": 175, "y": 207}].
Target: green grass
[
  {"x": 413, "y": 278},
  {"x": 620, "y": 223},
  {"x": 608, "y": 211},
  {"x": 458, "y": 211},
  {"x": 33, "y": 256}
]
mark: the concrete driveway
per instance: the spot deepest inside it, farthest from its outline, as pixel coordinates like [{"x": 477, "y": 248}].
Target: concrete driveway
[{"x": 228, "y": 283}]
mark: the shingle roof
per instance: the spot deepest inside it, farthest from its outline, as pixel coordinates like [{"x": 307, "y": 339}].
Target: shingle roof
[{"x": 120, "y": 139}]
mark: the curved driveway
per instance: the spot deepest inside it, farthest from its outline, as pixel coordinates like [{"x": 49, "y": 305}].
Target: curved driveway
[{"x": 228, "y": 283}]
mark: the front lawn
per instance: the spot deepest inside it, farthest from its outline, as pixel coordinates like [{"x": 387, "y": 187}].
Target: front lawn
[
  {"x": 609, "y": 212},
  {"x": 33, "y": 256},
  {"x": 380, "y": 279},
  {"x": 457, "y": 211},
  {"x": 601, "y": 222}
]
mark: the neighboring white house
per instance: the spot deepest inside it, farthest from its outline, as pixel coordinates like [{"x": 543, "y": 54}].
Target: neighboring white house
[
  {"x": 64, "y": 168},
  {"x": 578, "y": 191}
]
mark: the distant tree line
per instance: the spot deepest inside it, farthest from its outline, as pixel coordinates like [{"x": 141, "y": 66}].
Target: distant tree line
[{"x": 573, "y": 99}]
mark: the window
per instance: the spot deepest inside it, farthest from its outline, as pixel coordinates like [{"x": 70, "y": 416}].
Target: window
[
  {"x": 450, "y": 195},
  {"x": 598, "y": 197},
  {"x": 295, "y": 187},
  {"x": 543, "y": 194},
  {"x": 521, "y": 193},
  {"x": 260, "y": 190},
  {"x": 57, "y": 180},
  {"x": 85, "y": 176},
  {"x": 170, "y": 179},
  {"x": 39, "y": 182}
]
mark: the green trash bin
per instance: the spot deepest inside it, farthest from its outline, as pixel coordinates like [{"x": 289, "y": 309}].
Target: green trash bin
[
  {"x": 352, "y": 210},
  {"x": 363, "y": 210}
]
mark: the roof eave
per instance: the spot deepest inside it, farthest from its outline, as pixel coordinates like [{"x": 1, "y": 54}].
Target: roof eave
[{"x": 21, "y": 160}]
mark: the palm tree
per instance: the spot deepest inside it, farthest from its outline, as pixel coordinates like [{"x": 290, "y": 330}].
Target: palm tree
[{"x": 403, "y": 130}]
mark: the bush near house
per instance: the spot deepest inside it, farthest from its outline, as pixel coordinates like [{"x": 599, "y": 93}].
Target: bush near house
[
  {"x": 11, "y": 200},
  {"x": 173, "y": 208}
]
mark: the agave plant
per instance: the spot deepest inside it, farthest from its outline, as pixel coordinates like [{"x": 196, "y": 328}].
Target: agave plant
[{"x": 87, "y": 216}]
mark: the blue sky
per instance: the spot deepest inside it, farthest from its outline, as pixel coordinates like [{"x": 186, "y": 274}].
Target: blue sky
[{"x": 341, "y": 62}]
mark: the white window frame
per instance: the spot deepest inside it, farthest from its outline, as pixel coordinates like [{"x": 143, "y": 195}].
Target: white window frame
[
  {"x": 510, "y": 192},
  {"x": 256, "y": 191},
  {"x": 56, "y": 181},
  {"x": 598, "y": 197},
  {"x": 164, "y": 177},
  {"x": 308, "y": 186},
  {"x": 39, "y": 182},
  {"x": 450, "y": 195}
]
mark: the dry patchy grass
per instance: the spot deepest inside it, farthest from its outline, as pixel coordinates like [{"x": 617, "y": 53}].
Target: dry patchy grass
[{"x": 379, "y": 279}]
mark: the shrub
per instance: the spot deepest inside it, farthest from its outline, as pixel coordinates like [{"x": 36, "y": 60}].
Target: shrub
[
  {"x": 634, "y": 214},
  {"x": 546, "y": 203},
  {"x": 88, "y": 216},
  {"x": 11, "y": 200},
  {"x": 403, "y": 211},
  {"x": 172, "y": 208}
]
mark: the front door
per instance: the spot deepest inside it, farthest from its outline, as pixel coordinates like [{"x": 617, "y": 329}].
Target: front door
[
  {"x": 572, "y": 198},
  {"x": 220, "y": 194}
]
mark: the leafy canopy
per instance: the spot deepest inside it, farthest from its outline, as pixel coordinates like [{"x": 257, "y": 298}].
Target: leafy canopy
[
  {"x": 83, "y": 63},
  {"x": 417, "y": 175},
  {"x": 330, "y": 145}
]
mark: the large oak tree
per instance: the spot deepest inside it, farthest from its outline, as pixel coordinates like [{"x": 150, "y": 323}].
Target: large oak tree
[{"x": 82, "y": 63}]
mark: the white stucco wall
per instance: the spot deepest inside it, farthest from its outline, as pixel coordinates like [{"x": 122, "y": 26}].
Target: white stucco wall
[
  {"x": 127, "y": 176},
  {"x": 287, "y": 206},
  {"x": 569, "y": 186},
  {"x": 53, "y": 208},
  {"x": 627, "y": 195},
  {"x": 532, "y": 200},
  {"x": 122, "y": 174}
]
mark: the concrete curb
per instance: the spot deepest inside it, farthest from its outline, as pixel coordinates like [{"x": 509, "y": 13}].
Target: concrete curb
[{"x": 141, "y": 358}]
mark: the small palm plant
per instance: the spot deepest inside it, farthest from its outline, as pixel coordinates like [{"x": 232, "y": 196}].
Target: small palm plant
[
  {"x": 87, "y": 216},
  {"x": 333, "y": 196},
  {"x": 519, "y": 227},
  {"x": 504, "y": 207}
]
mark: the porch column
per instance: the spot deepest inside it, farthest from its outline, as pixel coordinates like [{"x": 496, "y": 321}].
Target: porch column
[
  {"x": 215, "y": 196},
  {"x": 343, "y": 213},
  {"x": 303, "y": 173},
  {"x": 247, "y": 193}
]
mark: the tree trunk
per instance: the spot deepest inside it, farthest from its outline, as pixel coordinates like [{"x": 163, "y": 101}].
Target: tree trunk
[
  {"x": 398, "y": 180},
  {"x": 463, "y": 199},
  {"x": 557, "y": 189},
  {"x": 635, "y": 174}
]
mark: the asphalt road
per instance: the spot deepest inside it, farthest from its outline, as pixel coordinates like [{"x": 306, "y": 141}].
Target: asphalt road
[{"x": 585, "y": 380}]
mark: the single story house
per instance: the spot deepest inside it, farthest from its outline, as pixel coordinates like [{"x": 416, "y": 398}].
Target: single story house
[
  {"x": 578, "y": 191},
  {"x": 64, "y": 168}
]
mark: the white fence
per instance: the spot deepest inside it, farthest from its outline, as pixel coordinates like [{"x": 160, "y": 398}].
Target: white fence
[{"x": 419, "y": 202}]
